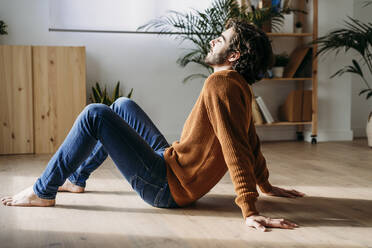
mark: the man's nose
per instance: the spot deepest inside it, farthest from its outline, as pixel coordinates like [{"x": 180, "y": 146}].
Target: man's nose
[{"x": 211, "y": 43}]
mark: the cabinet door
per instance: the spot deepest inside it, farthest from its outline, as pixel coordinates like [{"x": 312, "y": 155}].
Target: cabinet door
[
  {"x": 16, "y": 119},
  {"x": 59, "y": 93}
]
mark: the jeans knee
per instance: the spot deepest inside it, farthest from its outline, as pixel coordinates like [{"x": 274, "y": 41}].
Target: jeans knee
[
  {"x": 123, "y": 103},
  {"x": 95, "y": 108}
]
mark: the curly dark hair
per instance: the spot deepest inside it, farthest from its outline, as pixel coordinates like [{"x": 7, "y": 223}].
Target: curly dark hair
[{"x": 254, "y": 46}]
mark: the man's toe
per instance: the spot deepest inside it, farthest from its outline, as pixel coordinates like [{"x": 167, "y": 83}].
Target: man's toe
[{"x": 4, "y": 199}]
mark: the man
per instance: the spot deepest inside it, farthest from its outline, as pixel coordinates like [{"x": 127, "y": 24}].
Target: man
[{"x": 218, "y": 135}]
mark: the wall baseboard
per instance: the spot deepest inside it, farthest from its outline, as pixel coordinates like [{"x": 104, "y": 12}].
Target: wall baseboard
[
  {"x": 330, "y": 135},
  {"x": 359, "y": 132}
]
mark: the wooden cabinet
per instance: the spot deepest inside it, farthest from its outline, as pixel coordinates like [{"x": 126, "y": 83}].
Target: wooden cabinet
[
  {"x": 53, "y": 92},
  {"x": 16, "y": 104}
]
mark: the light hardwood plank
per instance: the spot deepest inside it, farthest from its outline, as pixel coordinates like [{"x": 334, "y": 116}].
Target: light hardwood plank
[
  {"x": 16, "y": 119},
  {"x": 59, "y": 93}
]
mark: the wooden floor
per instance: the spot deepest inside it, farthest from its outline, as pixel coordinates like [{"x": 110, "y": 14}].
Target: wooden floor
[{"x": 337, "y": 212}]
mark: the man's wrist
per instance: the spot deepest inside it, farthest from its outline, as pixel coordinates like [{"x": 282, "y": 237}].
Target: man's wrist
[{"x": 266, "y": 187}]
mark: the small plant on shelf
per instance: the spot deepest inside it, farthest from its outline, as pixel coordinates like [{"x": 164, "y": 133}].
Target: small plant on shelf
[
  {"x": 101, "y": 96},
  {"x": 298, "y": 26},
  {"x": 281, "y": 61}
]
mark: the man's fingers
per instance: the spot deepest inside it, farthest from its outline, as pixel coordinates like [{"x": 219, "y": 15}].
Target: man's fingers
[
  {"x": 281, "y": 223},
  {"x": 297, "y": 193},
  {"x": 287, "y": 193},
  {"x": 258, "y": 226},
  {"x": 292, "y": 193}
]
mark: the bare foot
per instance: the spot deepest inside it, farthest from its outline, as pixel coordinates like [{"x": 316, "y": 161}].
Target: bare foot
[
  {"x": 27, "y": 198},
  {"x": 70, "y": 187}
]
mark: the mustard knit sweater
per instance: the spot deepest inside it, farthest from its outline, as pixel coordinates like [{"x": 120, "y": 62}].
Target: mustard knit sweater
[{"x": 219, "y": 135}]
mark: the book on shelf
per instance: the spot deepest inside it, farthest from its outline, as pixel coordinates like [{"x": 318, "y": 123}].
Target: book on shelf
[
  {"x": 265, "y": 111},
  {"x": 257, "y": 116}
]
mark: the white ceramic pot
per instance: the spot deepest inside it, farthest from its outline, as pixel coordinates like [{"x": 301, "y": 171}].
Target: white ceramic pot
[
  {"x": 369, "y": 129},
  {"x": 278, "y": 71},
  {"x": 298, "y": 30},
  {"x": 288, "y": 24}
]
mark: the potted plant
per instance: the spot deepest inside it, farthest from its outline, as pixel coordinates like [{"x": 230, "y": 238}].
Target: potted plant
[
  {"x": 354, "y": 36},
  {"x": 298, "y": 27},
  {"x": 101, "y": 96},
  {"x": 3, "y": 28},
  {"x": 281, "y": 61}
]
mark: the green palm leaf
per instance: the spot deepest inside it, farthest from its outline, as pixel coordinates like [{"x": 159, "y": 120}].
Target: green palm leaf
[{"x": 199, "y": 27}]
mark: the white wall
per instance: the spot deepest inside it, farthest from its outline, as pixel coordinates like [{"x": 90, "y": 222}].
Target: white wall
[
  {"x": 143, "y": 62},
  {"x": 147, "y": 63},
  {"x": 360, "y": 107},
  {"x": 334, "y": 98}
]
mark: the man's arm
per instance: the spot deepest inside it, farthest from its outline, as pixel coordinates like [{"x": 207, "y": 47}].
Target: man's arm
[
  {"x": 230, "y": 119},
  {"x": 260, "y": 167},
  {"x": 262, "y": 174}
]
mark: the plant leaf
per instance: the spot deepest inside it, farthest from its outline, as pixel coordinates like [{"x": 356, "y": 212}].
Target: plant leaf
[
  {"x": 369, "y": 94},
  {"x": 116, "y": 94},
  {"x": 363, "y": 91},
  {"x": 130, "y": 93}
]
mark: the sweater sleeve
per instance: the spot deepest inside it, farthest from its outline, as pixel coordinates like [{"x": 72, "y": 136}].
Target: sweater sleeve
[
  {"x": 260, "y": 169},
  {"x": 230, "y": 113}
]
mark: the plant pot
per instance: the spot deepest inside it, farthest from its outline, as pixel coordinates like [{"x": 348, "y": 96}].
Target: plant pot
[
  {"x": 298, "y": 30},
  {"x": 288, "y": 24},
  {"x": 369, "y": 130},
  {"x": 278, "y": 71}
]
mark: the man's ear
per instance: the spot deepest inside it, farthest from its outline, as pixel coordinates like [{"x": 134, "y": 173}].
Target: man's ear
[{"x": 234, "y": 56}]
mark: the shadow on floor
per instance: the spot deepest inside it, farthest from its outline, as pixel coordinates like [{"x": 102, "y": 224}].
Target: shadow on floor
[{"x": 307, "y": 211}]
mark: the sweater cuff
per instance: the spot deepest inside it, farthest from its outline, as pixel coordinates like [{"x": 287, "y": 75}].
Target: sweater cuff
[
  {"x": 249, "y": 208},
  {"x": 265, "y": 187}
]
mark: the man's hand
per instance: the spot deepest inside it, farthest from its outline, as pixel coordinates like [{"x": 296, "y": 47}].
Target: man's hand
[
  {"x": 276, "y": 191},
  {"x": 261, "y": 222}
]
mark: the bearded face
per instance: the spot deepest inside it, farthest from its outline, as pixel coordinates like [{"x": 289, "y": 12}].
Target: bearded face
[
  {"x": 216, "y": 58},
  {"x": 219, "y": 51}
]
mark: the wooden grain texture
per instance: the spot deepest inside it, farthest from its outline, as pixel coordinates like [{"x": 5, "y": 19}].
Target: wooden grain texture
[
  {"x": 336, "y": 213},
  {"x": 16, "y": 118},
  {"x": 59, "y": 93}
]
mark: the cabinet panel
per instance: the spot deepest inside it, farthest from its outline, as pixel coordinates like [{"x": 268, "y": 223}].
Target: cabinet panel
[
  {"x": 59, "y": 79},
  {"x": 16, "y": 116}
]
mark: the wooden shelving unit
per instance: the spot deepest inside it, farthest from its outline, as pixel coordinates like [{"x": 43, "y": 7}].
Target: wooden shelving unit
[{"x": 311, "y": 31}]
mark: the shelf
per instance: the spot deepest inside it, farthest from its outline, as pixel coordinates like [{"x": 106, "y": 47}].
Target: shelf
[
  {"x": 285, "y": 123},
  {"x": 287, "y": 79},
  {"x": 290, "y": 34}
]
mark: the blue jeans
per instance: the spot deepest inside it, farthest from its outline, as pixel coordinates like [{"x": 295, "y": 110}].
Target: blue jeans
[{"x": 127, "y": 134}]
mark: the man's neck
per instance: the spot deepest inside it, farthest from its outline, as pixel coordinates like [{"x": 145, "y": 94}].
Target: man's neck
[{"x": 221, "y": 68}]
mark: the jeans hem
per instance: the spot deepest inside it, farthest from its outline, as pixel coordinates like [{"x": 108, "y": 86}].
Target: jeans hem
[
  {"x": 41, "y": 195},
  {"x": 77, "y": 183}
]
